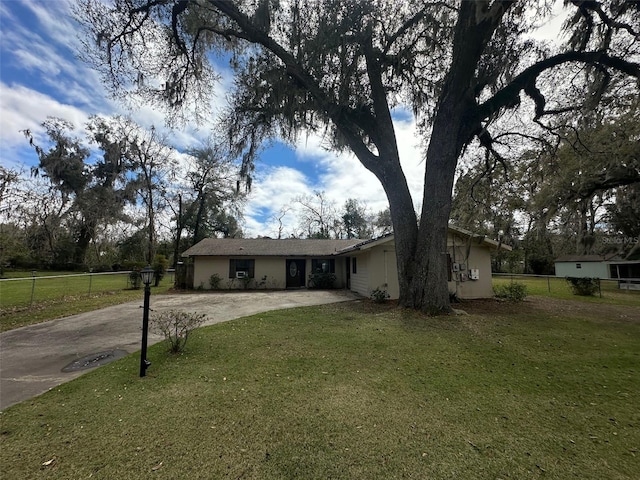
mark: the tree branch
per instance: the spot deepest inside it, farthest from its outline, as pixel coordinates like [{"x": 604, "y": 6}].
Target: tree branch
[{"x": 508, "y": 96}]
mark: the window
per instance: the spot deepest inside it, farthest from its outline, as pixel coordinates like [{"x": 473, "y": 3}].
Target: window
[
  {"x": 578, "y": 265},
  {"x": 354, "y": 268},
  {"x": 245, "y": 268},
  {"x": 327, "y": 265}
]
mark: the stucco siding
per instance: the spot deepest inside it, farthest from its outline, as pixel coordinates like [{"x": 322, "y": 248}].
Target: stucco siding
[
  {"x": 463, "y": 285},
  {"x": 205, "y": 267},
  {"x": 269, "y": 272}
]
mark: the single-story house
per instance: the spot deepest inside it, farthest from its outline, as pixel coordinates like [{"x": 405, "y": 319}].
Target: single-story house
[
  {"x": 358, "y": 265},
  {"x": 604, "y": 267}
]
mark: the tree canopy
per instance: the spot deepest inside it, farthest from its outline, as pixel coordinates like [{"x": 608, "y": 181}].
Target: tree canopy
[{"x": 464, "y": 68}]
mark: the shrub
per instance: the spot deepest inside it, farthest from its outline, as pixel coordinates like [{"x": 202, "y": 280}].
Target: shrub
[
  {"x": 135, "y": 279},
  {"x": 160, "y": 265},
  {"x": 176, "y": 325},
  {"x": 214, "y": 281},
  {"x": 262, "y": 283},
  {"x": 585, "y": 287},
  {"x": 246, "y": 282},
  {"x": 514, "y": 292},
  {"x": 322, "y": 280},
  {"x": 379, "y": 295}
]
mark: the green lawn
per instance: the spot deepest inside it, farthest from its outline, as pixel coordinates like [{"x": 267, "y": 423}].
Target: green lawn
[
  {"x": 560, "y": 288},
  {"x": 63, "y": 295},
  {"x": 355, "y": 391}
]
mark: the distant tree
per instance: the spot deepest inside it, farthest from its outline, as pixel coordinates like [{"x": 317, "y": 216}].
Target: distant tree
[
  {"x": 623, "y": 217},
  {"x": 8, "y": 179},
  {"x": 278, "y": 219},
  {"x": 382, "y": 222},
  {"x": 9, "y": 234},
  {"x": 93, "y": 192},
  {"x": 354, "y": 220},
  {"x": 152, "y": 163},
  {"x": 212, "y": 183},
  {"x": 342, "y": 67},
  {"x": 489, "y": 201},
  {"x": 317, "y": 215}
]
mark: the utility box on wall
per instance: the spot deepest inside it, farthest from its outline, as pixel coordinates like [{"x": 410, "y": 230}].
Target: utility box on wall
[{"x": 474, "y": 274}]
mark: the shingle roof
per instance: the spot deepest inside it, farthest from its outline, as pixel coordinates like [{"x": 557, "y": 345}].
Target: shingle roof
[
  {"x": 585, "y": 258},
  {"x": 389, "y": 237},
  {"x": 290, "y": 247}
]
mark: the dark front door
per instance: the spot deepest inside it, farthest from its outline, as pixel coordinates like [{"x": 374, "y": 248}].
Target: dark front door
[{"x": 295, "y": 273}]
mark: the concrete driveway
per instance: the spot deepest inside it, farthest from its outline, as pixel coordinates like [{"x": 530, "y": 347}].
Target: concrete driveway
[{"x": 32, "y": 358}]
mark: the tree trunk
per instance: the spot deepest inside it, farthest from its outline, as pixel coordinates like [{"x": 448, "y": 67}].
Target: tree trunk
[
  {"x": 82, "y": 244},
  {"x": 179, "y": 228},
  {"x": 152, "y": 227},
  {"x": 199, "y": 217},
  {"x": 405, "y": 228},
  {"x": 429, "y": 288},
  {"x": 454, "y": 125}
]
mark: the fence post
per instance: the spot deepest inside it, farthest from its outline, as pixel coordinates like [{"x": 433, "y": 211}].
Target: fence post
[
  {"x": 549, "y": 283},
  {"x": 33, "y": 285},
  {"x": 90, "y": 279}
]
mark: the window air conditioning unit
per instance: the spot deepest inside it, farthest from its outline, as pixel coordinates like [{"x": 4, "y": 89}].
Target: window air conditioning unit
[{"x": 241, "y": 274}]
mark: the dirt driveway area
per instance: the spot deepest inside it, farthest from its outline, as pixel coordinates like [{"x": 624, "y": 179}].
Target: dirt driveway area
[{"x": 32, "y": 358}]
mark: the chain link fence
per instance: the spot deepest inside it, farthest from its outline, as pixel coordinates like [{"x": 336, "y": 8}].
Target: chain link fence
[
  {"x": 540, "y": 284},
  {"x": 38, "y": 288}
]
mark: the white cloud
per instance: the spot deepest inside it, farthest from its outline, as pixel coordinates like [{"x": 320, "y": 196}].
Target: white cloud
[
  {"x": 23, "y": 108},
  {"x": 273, "y": 189},
  {"x": 26, "y": 109},
  {"x": 341, "y": 176}
]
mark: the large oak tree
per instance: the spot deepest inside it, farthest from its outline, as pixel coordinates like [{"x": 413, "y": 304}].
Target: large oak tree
[{"x": 342, "y": 67}]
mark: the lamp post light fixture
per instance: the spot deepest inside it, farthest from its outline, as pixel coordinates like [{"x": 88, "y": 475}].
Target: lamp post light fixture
[{"x": 146, "y": 274}]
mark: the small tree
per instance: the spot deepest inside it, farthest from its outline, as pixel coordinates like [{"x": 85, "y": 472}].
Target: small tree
[{"x": 176, "y": 326}]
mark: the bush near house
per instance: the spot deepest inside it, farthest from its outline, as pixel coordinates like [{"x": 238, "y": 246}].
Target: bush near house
[
  {"x": 214, "y": 281},
  {"x": 514, "y": 292},
  {"x": 322, "y": 280},
  {"x": 380, "y": 295}
]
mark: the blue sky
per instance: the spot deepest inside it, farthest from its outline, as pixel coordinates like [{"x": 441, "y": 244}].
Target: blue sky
[{"x": 40, "y": 76}]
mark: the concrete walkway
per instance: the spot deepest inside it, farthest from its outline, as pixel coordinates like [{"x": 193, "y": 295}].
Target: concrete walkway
[{"x": 32, "y": 358}]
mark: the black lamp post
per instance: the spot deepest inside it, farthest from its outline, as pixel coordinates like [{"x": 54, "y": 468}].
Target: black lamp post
[{"x": 147, "y": 277}]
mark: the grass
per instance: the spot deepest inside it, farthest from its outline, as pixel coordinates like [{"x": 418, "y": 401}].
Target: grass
[
  {"x": 560, "y": 288},
  {"x": 62, "y": 296},
  {"x": 353, "y": 391}
]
